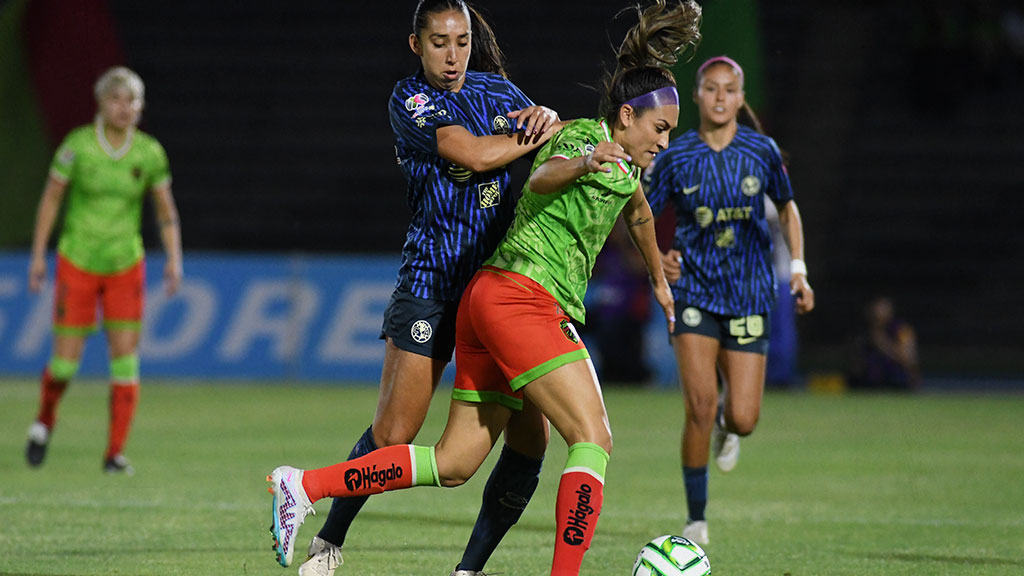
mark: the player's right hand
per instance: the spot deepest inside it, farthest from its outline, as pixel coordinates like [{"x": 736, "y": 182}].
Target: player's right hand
[{"x": 36, "y": 274}]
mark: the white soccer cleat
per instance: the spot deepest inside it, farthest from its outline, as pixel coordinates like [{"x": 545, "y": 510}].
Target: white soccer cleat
[
  {"x": 466, "y": 573},
  {"x": 725, "y": 446},
  {"x": 291, "y": 506},
  {"x": 322, "y": 559},
  {"x": 696, "y": 531}
]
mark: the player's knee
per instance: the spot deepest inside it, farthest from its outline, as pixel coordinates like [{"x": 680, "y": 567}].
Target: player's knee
[
  {"x": 392, "y": 434},
  {"x": 125, "y": 369},
  {"x": 701, "y": 410},
  {"x": 743, "y": 424},
  {"x": 62, "y": 369}
]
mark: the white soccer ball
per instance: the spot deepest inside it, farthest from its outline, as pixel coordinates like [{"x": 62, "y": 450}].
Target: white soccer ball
[{"x": 671, "y": 556}]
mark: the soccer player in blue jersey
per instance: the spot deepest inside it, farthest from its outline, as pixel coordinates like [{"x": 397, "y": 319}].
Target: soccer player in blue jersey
[
  {"x": 458, "y": 123},
  {"x": 720, "y": 265}
]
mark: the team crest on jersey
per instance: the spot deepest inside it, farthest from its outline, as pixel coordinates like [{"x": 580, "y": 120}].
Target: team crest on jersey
[
  {"x": 421, "y": 331},
  {"x": 489, "y": 194},
  {"x": 725, "y": 238},
  {"x": 67, "y": 157},
  {"x": 501, "y": 125},
  {"x": 569, "y": 330},
  {"x": 704, "y": 216},
  {"x": 751, "y": 185},
  {"x": 458, "y": 173},
  {"x": 136, "y": 172},
  {"x": 691, "y": 317}
]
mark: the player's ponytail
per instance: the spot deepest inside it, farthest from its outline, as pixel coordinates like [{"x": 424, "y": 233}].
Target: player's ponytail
[
  {"x": 652, "y": 46},
  {"x": 485, "y": 55}
]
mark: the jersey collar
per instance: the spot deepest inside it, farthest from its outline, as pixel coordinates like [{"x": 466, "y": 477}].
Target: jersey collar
[
  {"x": 101, "y": 137},
  {"x": 607, "y": 134}
]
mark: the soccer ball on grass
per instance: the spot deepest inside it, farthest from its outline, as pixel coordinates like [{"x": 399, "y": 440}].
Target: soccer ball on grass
[{"x": 671, "y": 556}]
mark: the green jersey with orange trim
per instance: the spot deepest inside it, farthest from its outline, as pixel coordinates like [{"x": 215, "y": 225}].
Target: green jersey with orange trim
[
  {"x": 555, "y": 238},
  {"x": 102, "y": 220}
]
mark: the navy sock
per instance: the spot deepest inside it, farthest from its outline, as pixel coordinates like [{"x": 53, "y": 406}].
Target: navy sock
[
  {"x": 696, "y": 482},
  {"x": 508, "y": 490},
  {"x": 344, "y": 510}
]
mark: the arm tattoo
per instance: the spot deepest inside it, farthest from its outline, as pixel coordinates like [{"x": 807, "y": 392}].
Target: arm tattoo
[{"x": 639, "y": 222}]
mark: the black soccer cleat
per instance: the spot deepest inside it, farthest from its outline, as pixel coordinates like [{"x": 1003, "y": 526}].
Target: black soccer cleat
[
  {"x": 35, "y": 448},
  {"x": 118, "y": 464}
]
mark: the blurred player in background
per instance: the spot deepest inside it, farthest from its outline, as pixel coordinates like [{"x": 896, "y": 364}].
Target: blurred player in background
[
  {"x": 458, "y": 124},
  {"x": 515, "y": 342},
  {"x": 720, "y": 266},
  {"x": 104, "y": 169}
]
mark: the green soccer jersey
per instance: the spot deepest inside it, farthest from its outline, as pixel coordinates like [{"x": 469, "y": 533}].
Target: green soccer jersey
[
  {"x": 102, "y": 220},
  {"x": 555, "y": 238}
]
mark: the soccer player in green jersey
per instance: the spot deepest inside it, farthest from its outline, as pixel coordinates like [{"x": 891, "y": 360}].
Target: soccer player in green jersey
[
  {"x": 103, "y": 169},
  {"x": 515, "y": 341}
]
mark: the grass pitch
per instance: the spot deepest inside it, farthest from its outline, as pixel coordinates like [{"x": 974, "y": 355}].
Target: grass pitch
[{"x": 844, "y": 485}]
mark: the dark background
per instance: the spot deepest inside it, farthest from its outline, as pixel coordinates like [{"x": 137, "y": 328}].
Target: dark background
[{"x": 902, "y": 119}]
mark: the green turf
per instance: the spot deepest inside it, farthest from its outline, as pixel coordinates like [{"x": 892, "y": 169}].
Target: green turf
[{"x": 851, "y": 485}]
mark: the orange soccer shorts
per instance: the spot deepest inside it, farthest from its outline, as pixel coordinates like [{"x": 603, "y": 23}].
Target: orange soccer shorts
[
  {"x": 509, "y": 332},
  {"x": 78, "y": 291}
]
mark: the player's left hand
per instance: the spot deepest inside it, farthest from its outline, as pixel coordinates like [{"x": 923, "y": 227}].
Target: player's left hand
[
  {"x": 799, "y": 287},
  {"x": 536, "y": 119},
  {"x": 172, "y": 276}
]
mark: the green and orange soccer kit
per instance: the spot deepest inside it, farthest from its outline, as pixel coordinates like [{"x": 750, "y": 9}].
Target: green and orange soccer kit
[{"x": 100, "y": 249}]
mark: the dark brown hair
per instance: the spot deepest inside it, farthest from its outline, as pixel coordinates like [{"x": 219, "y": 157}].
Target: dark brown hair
[{"x": 652, "y": 46}]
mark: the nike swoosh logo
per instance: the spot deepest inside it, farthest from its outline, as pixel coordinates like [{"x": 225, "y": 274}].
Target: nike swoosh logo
[
  {"x": 746, "y": 340},
  {"x": 690, "y": 190}
]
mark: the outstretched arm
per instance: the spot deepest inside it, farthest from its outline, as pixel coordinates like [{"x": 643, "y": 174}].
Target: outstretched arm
[
  {"x": 793, "y": 231},
  {"x": 46, "y": 216},
  {"x": 640, "y": 224},
  {"x": 484, "y": 153},
  {"x": 170, "y": 236}
]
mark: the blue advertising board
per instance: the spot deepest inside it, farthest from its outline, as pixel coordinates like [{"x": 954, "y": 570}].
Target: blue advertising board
[{"x": 263, "y": 317}]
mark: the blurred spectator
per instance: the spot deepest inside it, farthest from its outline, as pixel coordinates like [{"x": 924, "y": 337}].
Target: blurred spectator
[
  {"x": 884, "y": 355},
  {"x": 619, "y": 307}
]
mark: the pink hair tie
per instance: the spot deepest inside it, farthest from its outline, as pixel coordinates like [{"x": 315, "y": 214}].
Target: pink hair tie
[{"x": 726, "y": 59}]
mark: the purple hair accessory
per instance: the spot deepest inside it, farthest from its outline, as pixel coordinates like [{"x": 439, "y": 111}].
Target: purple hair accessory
[
  {"x": 661, "y": 97},
  {"x": 716, "y": 59}
]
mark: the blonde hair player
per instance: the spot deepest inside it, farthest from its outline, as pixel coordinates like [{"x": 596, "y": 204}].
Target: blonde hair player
[{"x": 103, "y": 170}]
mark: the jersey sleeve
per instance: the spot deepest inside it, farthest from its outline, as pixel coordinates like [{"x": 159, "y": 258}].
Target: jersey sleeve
[
  {"x": 779, "y": 188},
  {"x": 415, "y": 119},
  {"x": 160, "y": 171},
  {"x": 63, "y": 164}
]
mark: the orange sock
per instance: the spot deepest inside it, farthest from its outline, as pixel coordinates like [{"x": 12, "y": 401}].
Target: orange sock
[
  {"x": 123, "y": 399},
  {"x": 580, "y": 495},
  {"x": 49, "y": 396},
  {"x": 383, "y": 470}
]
